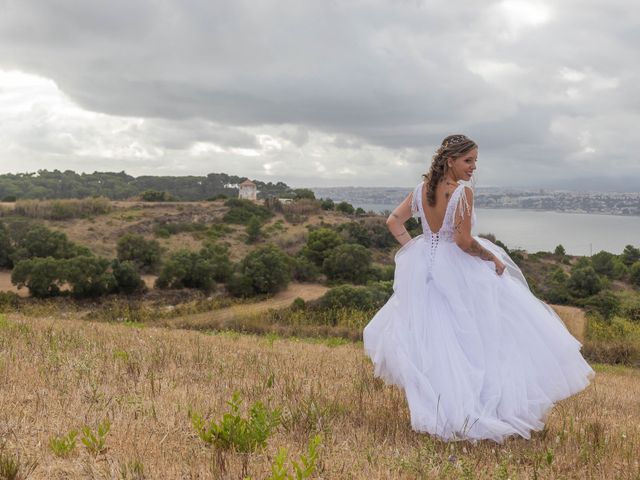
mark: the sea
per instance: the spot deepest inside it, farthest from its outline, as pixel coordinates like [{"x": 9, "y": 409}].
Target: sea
[{"x": 534, "y": 230}]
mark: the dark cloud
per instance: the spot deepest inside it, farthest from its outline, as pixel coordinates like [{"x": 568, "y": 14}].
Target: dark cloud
[{"x": 544, "y": 88}]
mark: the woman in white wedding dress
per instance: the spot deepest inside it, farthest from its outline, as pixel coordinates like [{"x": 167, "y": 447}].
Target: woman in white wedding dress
[{"x": 477, "y": 354}]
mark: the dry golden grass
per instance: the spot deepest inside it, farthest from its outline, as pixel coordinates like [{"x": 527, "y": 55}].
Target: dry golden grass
[
  {"x": 574, "y": 319},
  {"x": 57, "y": 375}
]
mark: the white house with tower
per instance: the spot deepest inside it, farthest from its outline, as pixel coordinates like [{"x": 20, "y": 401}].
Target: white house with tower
[{"x": 248, "y": 190}]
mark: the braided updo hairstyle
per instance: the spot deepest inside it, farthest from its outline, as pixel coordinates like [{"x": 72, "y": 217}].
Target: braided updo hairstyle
[{"x": 452, "y": 146}]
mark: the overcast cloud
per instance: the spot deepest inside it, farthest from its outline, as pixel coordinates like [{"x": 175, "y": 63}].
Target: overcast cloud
[{"x": 323, "y": 93}]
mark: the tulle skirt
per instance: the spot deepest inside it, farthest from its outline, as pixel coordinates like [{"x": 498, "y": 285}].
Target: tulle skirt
[{"x": 477, "y": 354}]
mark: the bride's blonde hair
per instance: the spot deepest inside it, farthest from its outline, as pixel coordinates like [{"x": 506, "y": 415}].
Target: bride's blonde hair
[{"x": 452, "y": 146}]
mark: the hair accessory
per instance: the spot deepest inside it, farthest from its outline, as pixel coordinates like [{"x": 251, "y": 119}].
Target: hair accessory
[{"x": 455, "y": 140}]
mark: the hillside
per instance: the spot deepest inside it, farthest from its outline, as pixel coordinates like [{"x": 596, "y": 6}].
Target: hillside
[{"x": 58, "y": 375}]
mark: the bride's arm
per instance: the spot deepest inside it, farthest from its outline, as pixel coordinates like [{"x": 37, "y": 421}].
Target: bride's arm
[
  {"x": 395, "y": 221},
  {"x": 462, "y": 232}
]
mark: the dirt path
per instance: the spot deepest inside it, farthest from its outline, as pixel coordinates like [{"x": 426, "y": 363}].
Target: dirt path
[
  {"x": 306, "y": 291},
  {"x": 574, "y": 319}
]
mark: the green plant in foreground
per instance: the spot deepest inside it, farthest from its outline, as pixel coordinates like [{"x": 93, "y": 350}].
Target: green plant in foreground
[
  {"x": 95, "y": 441},
  {"x": 11, "y": 468},
  {"x": 303, "y": 469},
  {"x": 243, "y": 435},
  {"x": 63, "y": 445}
]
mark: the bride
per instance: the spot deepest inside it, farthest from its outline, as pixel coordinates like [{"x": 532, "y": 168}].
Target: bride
[{"x": 477, "y": 354}]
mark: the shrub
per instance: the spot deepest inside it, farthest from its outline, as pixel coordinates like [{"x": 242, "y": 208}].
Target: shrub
[
  {"x": 6, "y": 249},
  {"x": 88, "y": 276},
  {"x": 630, "y": 255},
  {"x": 320, "y": 242},
  {"x": 327, "y": 204},
  {"x": 40, "y": 242},
  {"x": 166, "y": 229},
  {"x": 187, "y": 269},
  {"x": 241, "y": 211},
  {"x": 268, "y": 268},
  {"x": 559, "y": 251},
  {"x": 345, "y": 207},
  {"x": 304, "y": 193},
  {"x": 303, "y": 270},
  {"x": 240, "y": 285},
  {"x": 605, "y": 302},
  {"x": 42, "y": 276},
  {"x": 604, "y": 263},
  {"x": 144, "y": 253},
  {"x": 347, "y": 296},
  {"x": 382, "y": 272},
  {"x": 354, "y": 232},
  {"x": 218, "y": 257},
  {"x": 379, "y": 234},
  {"x": 253, "y": 230},
  {"x": 584, "y": 281},
  {"x": 634, "y": 274},
  {"x": 155, "y": 196},
  {"x": 348, "y": 262},
  {"x": 556, "y": 290},
  {"x": 127, "y": 278}
]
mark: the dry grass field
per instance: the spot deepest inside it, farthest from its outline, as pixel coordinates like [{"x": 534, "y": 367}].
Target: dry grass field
[{"x": 62, "y": 375}]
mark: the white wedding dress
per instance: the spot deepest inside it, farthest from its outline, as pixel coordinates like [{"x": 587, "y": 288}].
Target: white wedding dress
[{"x": 477, "y": 354}]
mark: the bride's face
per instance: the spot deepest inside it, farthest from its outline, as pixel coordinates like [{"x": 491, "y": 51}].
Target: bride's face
[{"x": 464, "y": 165}]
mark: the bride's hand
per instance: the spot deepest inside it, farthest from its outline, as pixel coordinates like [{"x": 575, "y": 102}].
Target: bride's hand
[{"x": 499, "y": 265}]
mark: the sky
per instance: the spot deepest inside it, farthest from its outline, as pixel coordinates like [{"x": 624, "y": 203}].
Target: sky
[{"x": 323, "y": 93}]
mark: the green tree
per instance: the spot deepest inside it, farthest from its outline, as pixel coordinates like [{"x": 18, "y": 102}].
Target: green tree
[
  {"x": 584, "y": 281},
  {"x": 88, "y": 276},
  {"x": 327, "y": 204},
  {"x": 42, "y": 276},
  {"x": 634, "y": 274},
  {"x": 345, "y": 207},
  {"x": 559, "y": 251},
  {"x": 355, "y": 232},
  {"x": 304, "y": 193},
  {"x": 604, "y": 302},
  {"x": 349, "y": 262},
  {"x": 320, "y": 242},
  {"x": 6, "y": 249},
  {"x": 268, "y": 268},
  {"x": 253, "y": 229},
  {"x": 303, "y": 270},
  {"x": 218, "y": 257},
  {"x": 187, "y": 269},
  {"x": 155, "y": 196},
  {"x": 127, "y": 277},
  {"x": 346, "y": 296},
  {"x": 556, "y": 290},
  {"x": 144, "y": 253},
  {"x": 630, "y": 255},
  {"x": 603, "y": 263},
  {"x": 39, "y": 241}
]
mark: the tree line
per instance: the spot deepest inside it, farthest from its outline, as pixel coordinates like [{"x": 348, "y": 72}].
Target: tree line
[{"x": 56, "y": 184}]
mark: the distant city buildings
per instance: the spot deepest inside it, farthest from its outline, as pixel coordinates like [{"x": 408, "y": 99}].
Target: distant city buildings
[{"x": 493, "y": 197}]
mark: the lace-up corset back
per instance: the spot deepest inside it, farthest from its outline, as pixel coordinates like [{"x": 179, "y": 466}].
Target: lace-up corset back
[{"x": 457, "y": 201}]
